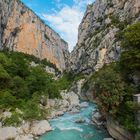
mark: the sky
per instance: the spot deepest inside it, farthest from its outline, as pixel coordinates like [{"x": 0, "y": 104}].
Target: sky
[{"x": 64, "y": 16}]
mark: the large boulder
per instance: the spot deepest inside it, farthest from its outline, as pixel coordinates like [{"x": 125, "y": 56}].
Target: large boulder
[
  {"x": 8, "y": 133},
  {"x": 40, "y": 127},
  {"x": 97, "y": 118},
  {"x": 59, "y": 113}
]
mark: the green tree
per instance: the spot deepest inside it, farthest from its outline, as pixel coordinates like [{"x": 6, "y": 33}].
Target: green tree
[
  {"x": 4, "y": 78},
  {"x": 19, "y": 88},
  {"x": 130, "y": 57},
  {"x": 7, "y": 100}
]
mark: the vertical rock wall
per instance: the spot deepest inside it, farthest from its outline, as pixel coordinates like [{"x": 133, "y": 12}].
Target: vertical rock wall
[
  {"x": 22, "y": 30},
  {"x": 97, "y": 40}
]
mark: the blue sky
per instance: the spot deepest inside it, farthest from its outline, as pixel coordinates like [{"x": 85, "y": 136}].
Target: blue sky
[{"x": 64, "y": 16}]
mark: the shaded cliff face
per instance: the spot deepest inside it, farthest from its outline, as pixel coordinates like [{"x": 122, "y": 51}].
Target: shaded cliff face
[
  {"x": 21, "y": 30},
  {"x": 99, "y": 39}
]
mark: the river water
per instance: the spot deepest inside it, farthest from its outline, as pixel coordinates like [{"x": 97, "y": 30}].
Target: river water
[{"x": 65, "y": 127}]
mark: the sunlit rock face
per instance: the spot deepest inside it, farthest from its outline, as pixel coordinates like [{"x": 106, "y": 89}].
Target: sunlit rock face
[
  {"x": 98, "y": 43},
  {"x": 21, "y": 30}
]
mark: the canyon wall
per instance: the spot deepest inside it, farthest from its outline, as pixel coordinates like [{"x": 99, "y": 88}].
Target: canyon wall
[
  {"x": 22, "y": 30},
  {"x": 98, "y": 39}
]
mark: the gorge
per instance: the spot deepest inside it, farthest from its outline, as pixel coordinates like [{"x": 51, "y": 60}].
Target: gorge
[{"x": 42, "y": 84}]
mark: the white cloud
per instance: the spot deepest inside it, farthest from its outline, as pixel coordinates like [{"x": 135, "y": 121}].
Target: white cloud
[
  {"x": 58, "y": 0},
  {"x": 67, "y": 20}
]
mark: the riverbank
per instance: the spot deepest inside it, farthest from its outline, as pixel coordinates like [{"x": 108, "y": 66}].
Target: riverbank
[
  {"x": 28, "y": 130},
  {"x": 76, "y": 126},
  {"x": 69, "y": 105}
]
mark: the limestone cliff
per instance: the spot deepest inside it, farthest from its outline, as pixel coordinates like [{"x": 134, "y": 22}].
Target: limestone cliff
[
  {"x": 22, "y": 30},
  {"x": 98, "y": 40}
]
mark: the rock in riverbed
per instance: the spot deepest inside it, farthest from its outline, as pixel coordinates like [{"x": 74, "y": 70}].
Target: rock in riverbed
[
  {"x": 74, "y": 111},
  {"x": 39, "y": 128},
  {"x": 80, "y": 120},
  {"x": 83, "y": 105}
]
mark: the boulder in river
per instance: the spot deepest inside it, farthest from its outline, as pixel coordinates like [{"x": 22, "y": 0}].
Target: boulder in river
[
  {"x": 80, "y": 120},
  {"x": 83, "y": 105},
  {"x": 74, "y": 111},
  {"x": 97, "y": 118}
]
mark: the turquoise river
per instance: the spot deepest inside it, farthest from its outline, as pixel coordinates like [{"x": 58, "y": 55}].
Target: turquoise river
[{"x": 65, "y": 127}]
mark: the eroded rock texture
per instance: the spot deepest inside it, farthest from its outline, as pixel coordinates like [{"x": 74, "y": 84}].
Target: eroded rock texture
[
  {"x": 98, "y": 43},
  {"x": 21, "y": 30}
]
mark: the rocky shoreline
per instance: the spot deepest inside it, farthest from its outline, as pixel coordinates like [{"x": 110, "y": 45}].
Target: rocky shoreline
[{"x": 32, "y": 130}]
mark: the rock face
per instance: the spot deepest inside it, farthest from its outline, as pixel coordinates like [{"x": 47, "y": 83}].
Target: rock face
[
  {"x": 117, "y": 131},
  {"x": 98, "y": 43},
  {"x": 21, "y": 30}
]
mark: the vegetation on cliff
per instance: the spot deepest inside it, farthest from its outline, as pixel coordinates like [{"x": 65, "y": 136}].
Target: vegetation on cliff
[{"x": 115, "y": 84}]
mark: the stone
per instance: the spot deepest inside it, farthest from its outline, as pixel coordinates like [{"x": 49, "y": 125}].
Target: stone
[
  {"x": 97, "y": 115},
  {"x": 40, "y": 127},
  {"x": 25, "y": 128},
  {"x": 73, "y": 98},
  {"x": 83, "y": 105},
  {"x": 8, "y": 133},
  {"x": 74, "y": 111},
  {"x": 80, "y": 120}
]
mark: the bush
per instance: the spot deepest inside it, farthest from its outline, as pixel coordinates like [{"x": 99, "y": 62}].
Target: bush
[
  {"x": 4, "y": 78},
  {"x": 7, "y": 100},
  {"x": 22, "y": 86},
  {"x": 14, "y": 120},
  {"x": 130, "y": 57},
  {"x": 114, "y": 95},
  {"x": 32, "y": 111}
]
